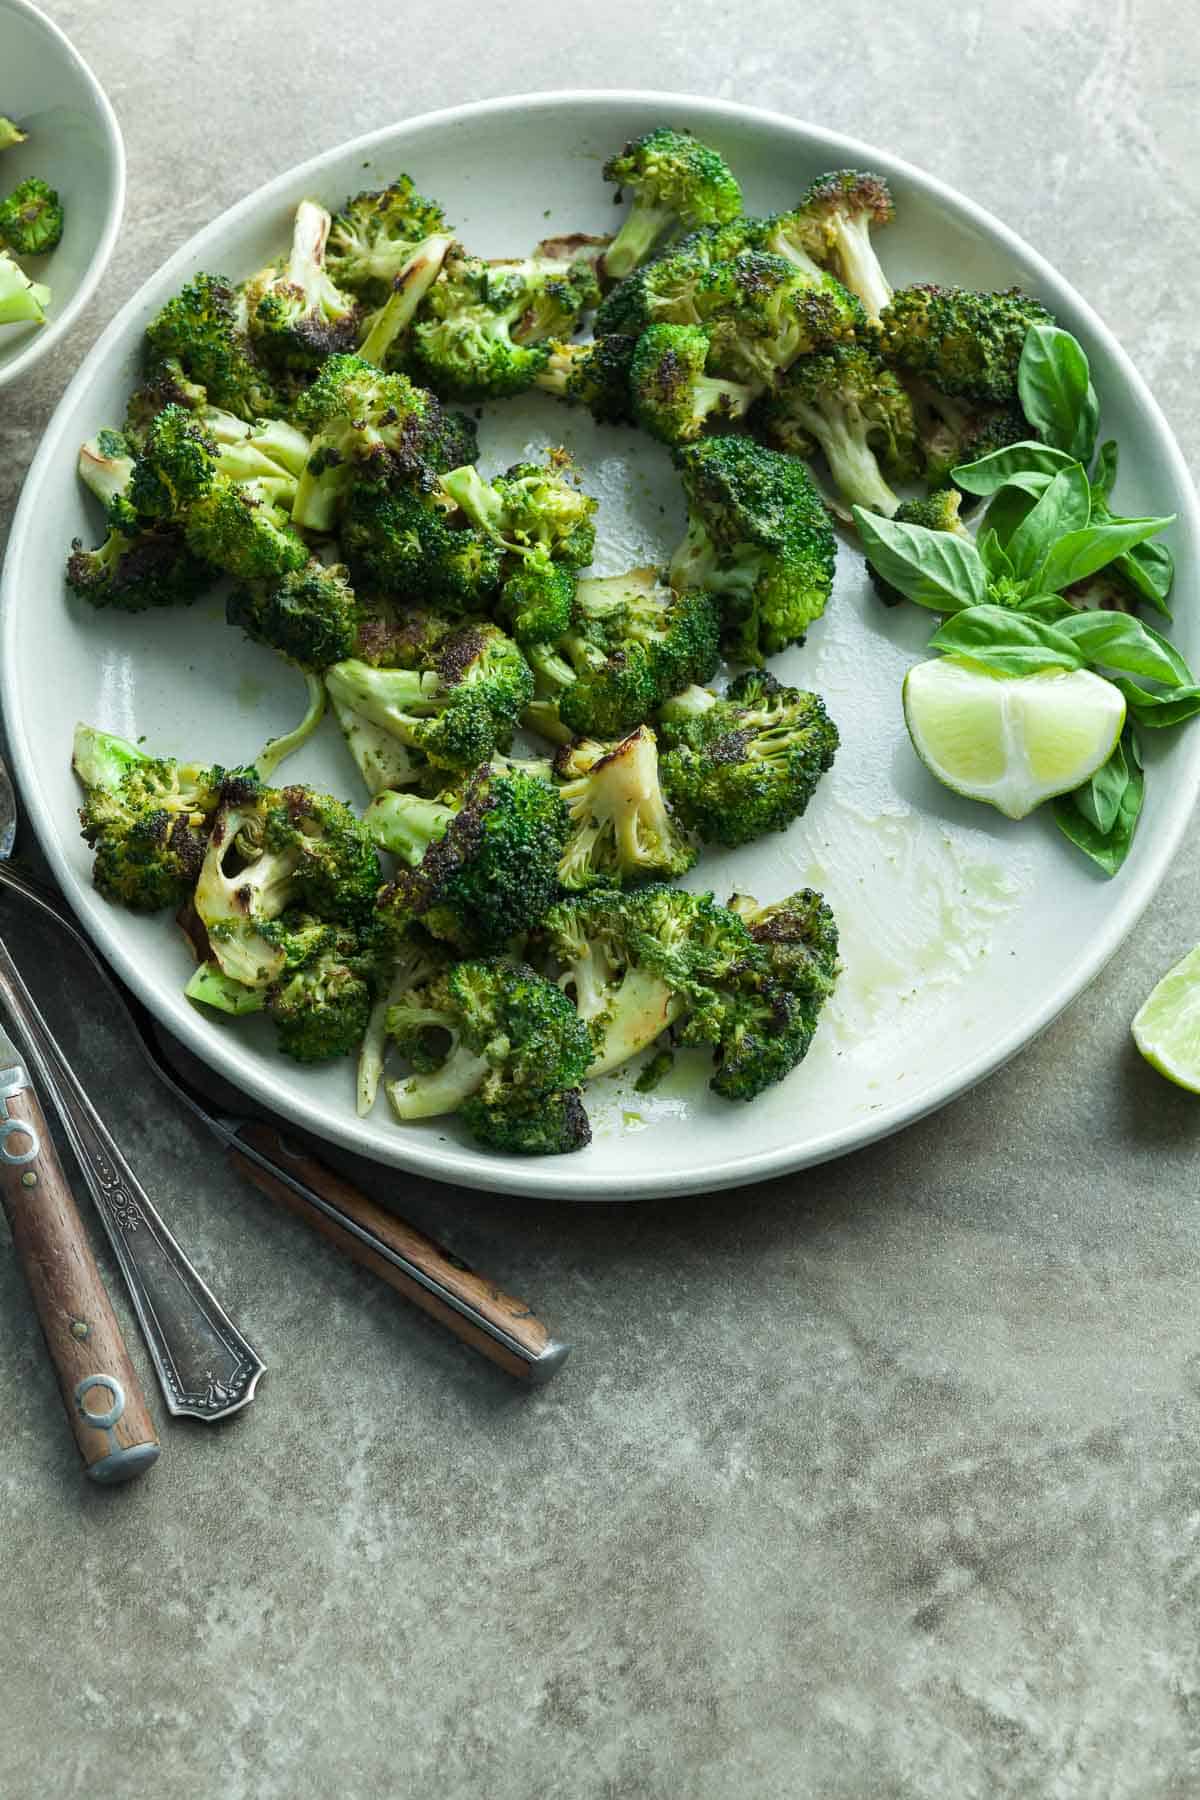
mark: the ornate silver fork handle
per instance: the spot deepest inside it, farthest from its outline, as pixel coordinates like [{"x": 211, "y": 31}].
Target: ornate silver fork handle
[{"x": 206, "y": 1367}]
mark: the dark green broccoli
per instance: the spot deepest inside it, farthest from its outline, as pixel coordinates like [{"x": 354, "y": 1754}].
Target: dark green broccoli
[
  {"x": 165, "y": 385},
  {"x": 204, "y": 329},
  {"x": 594, "y": 375},
  {"x": 633, "y": 641},
  {"x": 376, "y": 234},
  {"x": 404, "y": 542},
  {"x": 667, "y": 289},
  {"x": 834, "y": 222},
  {"x": 483, "y": 326},
  {"x": 936, "y": 512},
  {"x": 777, "y": 1001},
  {"x": 146, "y": 818},
  {"x": 677, "y": 183},
  {"x": 847, "y": 404},
  {"x": 271, "y": 850},
  {"x": 297, "y": 313},
  {"x": 537, "y": 601},
  {"x": 457, "y": 707},
  {"x": 534, "y": 511},
  {"x": 954, "y": 430},
  {"x": 673, "y": 399},
  {"x": 31, "y": 219},
  {"x": 747, "y": 763},
  {"x": 140, "y": 564},
  {"x": 497, "y": 1043},
  {"x": 364, "y": 425},
  {"x": 320, "y": 1009},
  {"x": 621, "y": 829},
  {"x": 763, "y": 311},
  {"x": 482, "y": 864},
  {"x": 309, "y": 615},
  {"x": 759, "y": 539},
  {"x": 964, "y": 343}
]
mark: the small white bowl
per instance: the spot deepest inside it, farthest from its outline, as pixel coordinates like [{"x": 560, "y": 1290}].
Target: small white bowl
[{"x": 74, "y": 144}]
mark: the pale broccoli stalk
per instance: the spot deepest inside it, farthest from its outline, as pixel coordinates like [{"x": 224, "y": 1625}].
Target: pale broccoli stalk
[
  {"x": 622, "y": 830},
  {"x": 275, "y": 750},
  {"x": 387, "y": 325},
  {"x": 414, "y": 965},
  {"x": 383, "y": 761}
]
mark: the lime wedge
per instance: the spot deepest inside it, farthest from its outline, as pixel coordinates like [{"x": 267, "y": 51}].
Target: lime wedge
[
  {"x": 1011, "y": 740},
  {"x": 1167, "y": 1029}
]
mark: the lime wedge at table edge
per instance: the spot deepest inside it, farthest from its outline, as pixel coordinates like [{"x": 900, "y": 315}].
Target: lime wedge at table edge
[{"x": 1167, "y": 1027}]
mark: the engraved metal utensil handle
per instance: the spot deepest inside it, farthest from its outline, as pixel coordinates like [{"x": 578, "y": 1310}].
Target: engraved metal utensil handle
[{"x": 204, "y": 1364}]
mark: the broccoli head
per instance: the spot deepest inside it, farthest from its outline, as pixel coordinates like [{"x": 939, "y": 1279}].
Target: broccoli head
[
  {"x": 777, "y": 1001},
  {"x": 483, "y": 326},
  {"x": 764, "y": 311},
  {"x": 482, "y": 864},
  {"x": 747, "y": 763},
  {"x": 320, "y": 1008},
  {"x": 297, "y": 314},
  {"x": 964, "y": 343},
  {"x": 673, "y": 399},
  {"x": 364, "y": 425},
  {"x": 309, "y": 615},
  {"x": 137, "y": 568},
  {"x": 834, "y": 221},
  {"x": 849, "y": 405},
  {"x": 537, "y": 601},
  {"x": 456, "y": 707},
  {"x": 621, "y": 829},
  {"x": 204, "y": 329},
  {"x": 533, "y": 511},
  {"x": 956, "y": 430},
  {"x": 759, "y": 539},
  {"x": 146, "y": 818},
  {"x": 376, "y": 235},
  {"x": 404, "y": 542},
  {"x": 31, "y": 219},
  {"x": 677, "y": 183},
  {"x": 594, "y": 375}
]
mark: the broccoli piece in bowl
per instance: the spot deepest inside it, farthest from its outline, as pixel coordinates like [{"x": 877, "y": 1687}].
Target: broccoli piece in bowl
[
  {"x": 677, "y": 183},
  {"x": 146, "y": 818}
]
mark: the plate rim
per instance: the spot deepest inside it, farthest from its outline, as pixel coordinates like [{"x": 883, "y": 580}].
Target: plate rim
[
  {"x": 439, "y": 1160},
  {"x": 60, "y": 322}
]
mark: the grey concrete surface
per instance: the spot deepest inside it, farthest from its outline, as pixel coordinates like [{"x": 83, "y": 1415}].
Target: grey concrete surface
[{"x": 873, "y": 1484}]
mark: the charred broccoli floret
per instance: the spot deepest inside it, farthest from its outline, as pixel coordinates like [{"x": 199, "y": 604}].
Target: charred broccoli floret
[
  {"x": 297, "y": 313},
  {"x": 140, "y": 564},
  {"x": 673, "y": 399},
  {"x": 962, "y": 342},
  {"x": 309, "y": 615},
  {"x": 594, "y": 375},
  {"x": 759, "y": 539},
  {"x": 847, "y": 404},
  {"x": 632, "y": 642},
  {"x": 456, "y": 707},
  {"x": 146, "y": 818},
  {"x": 483, "y": 326},
  {"x": 533, "y": 511},
  {"x": 364, "y": 425},
  {"x": 621, "y": 829},
  {"x": 271, "y": 850},
  {"x": 385, "y": 332},
  {"x": 835, "y": 220},
  {"x": 320, "y": 1009},
  {"x": 667, "y": 289},
  {"x": 763, "y": 311},
  {"x": 774, "y": 1012},
  {"x": 376, "y": 234},
  {"x": 747, "y": 763},
  {"x": 497, "y": 1043},
  {"x": 936, "y": 512},
  {"x": 482, "y": 863},
  {"x": 204, "y": 329},
  {"x": 677, "y": 183},
  {"x": 404, "y": 542},
  {"x": 31, "y": 218},
  {"x": 954, "y": 430}
]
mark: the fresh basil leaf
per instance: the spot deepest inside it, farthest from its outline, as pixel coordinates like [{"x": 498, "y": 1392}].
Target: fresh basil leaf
[
  {"x": 1104, "y": 473},
  {"x": 1006, "y": 640},
  {"x": 1149, "y": 568},
  {"x": 1100, "y": 817},
  {"x": 994, "y": 556},
  {"x": 1119, "y": 641},
  {"x": 1049, "y": 608},
  {"x": 1000, "y": 467},
  {"x": 1064, "y": 507},
  {"x": 937, "y": 569},
  {"x": 1159, "y": 711},
  {"x": 1057, "y": 396},
  {"x": 1010, "y": 505},
  {"x": 1080, "y": 553}
]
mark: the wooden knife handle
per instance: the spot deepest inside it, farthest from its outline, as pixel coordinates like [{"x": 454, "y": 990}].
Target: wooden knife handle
[
  {"x": 481, "y": 1314},
  {"x": 100, "y": 1388}
]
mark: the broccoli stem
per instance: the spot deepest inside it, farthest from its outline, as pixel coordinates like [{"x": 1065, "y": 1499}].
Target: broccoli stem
[
  {"x": 861, "y": 271},
  {"x": 631, "y": 1018},
  {"x": 277, "y": 749},
  {"x": 841, "y": 432},
  {"x": 481, "y": 503},
  {"x": 383, "y": 761},
  {"x": 409, "y": 288},
  {"x": 212, "y": 987},
  {"x": 406, "y": 824},
  {"x": 636, "y": 238},
  {"x": 727, "y": 399},
  {"x": 105, "y": 476},
  {"x": 411, "y": 968},
  {"x": 101, "y": 760},
  {"x": 427, "y": 1096}
]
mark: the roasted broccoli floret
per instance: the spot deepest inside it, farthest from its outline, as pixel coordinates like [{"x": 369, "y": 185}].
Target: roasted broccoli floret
[
  {"x": 165, "y": 385},
  {"x": 594, "y": 375},
  {"x": 270, "y": 850},
  {"x": 666, "y": 290},
  {"x": 840, "y": 210},
  {"x": 31, "y": 219},
  {"x": 936, "y": 512},
  {"x": 495, "y": 1042},
  {"x": 534, "y": 511},
  {"x": 763, "y": 311},
  {"x": 537, "y": 601},
  {"x": 759, "y": 539},
  {"x": 385, "y": 332},
  {"x": 141, "y": 563},
  {"x": 297, "y": 313},
  {"x": 847, "y": 404},
  {"x": 309, "y": 615},
  {"x": 404, "y": 542},
  {"x": 483, "y": 326},
  {"x": 677, "y": 183},
  {"x": 376, "y": 234},
  {"x": 954, "y": 430},
  {"x": 146, "y": 818},
  {"x": 320, "y": 1009},
  {"x": 21, "y": 301},
  {"x": 204, "y": 329},
  {"x": 962, "y": 342},
  {"x": 364, "y": 425},
  {"x": 778, "y": 1001},
  {"x": 482, "y": 864},
  {"x": 633, "y": 641},
  {"x": 746, "y": 763},
  {"x": 621, "y": 829},
  {"x": 457, "y": 707},
  {"x": 673, "y": 399}
]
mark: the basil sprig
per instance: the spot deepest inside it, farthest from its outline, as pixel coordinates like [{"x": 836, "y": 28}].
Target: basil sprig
[
  {"x": 1056, "y": 393},
  {"x": 1101, "y": 817}
]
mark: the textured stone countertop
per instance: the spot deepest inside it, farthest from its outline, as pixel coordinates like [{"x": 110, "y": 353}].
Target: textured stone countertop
[{"x": 876, "y": 1482}]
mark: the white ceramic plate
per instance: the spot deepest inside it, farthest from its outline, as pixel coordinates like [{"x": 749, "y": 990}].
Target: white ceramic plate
[
  {"x": 963, "y": 934},
  {"x": 74, "y": 144}
]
